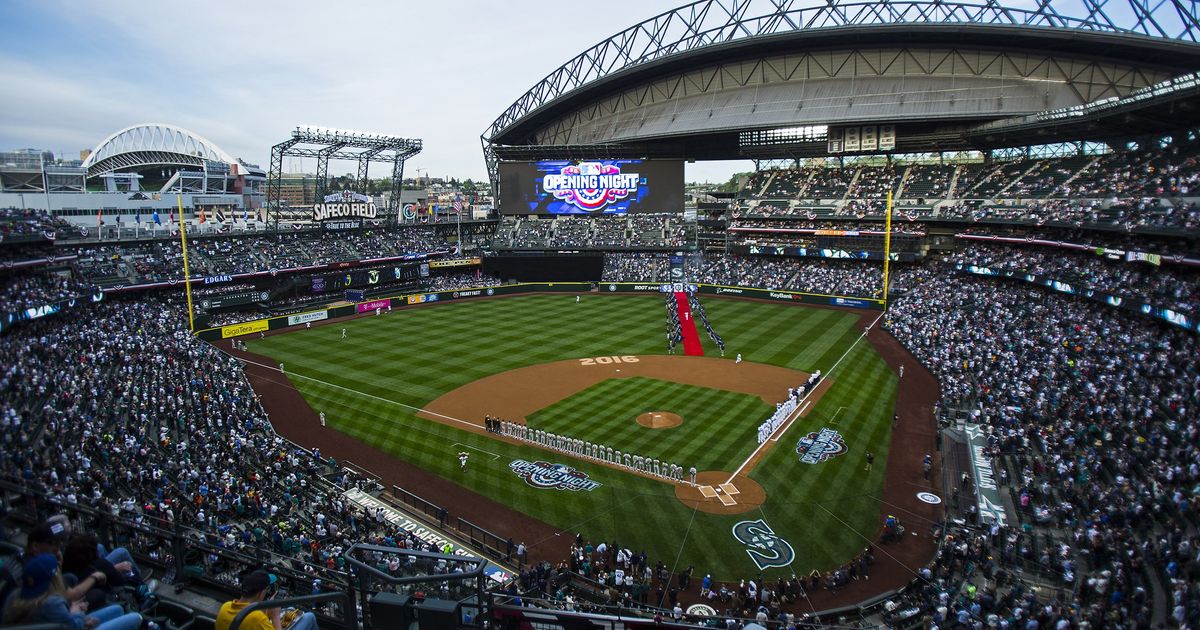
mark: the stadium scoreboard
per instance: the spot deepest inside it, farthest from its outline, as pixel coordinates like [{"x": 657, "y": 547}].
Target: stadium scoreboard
[{"x": 591, "y": 187}]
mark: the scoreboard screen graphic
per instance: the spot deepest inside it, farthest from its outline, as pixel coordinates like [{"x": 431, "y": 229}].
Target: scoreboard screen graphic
[{"x": 591, "y": 186}]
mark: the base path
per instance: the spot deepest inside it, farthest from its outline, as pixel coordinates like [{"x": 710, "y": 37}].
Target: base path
[
  {"x": 687, "y": 324},
  {"x": 515, "y": 394}
]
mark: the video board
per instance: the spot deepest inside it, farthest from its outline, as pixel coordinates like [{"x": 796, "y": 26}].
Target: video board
[
  {"x": 364, "y": 277},
  {"x": 591, "y": 186}
]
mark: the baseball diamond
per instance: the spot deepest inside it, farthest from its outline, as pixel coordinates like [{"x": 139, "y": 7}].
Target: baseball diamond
[{"x": 395, "y": 397}]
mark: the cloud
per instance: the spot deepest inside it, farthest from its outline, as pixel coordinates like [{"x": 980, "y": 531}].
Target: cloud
[{"x": 244, "y": 74}]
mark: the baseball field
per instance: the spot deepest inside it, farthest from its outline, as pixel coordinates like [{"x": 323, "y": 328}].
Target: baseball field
[{"x": 416, "y": 383}]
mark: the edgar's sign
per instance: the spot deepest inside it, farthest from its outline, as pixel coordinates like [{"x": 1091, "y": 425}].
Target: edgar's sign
[
  {"x": 552, "y": 476},
  {"x": 762, "y": 545}
]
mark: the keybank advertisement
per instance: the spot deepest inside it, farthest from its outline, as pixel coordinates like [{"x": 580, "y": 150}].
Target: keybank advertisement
[{"x": 591, "y": 187}]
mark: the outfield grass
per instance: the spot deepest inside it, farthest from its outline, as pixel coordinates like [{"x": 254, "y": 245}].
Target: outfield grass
[{"x": 370, "y": 384}]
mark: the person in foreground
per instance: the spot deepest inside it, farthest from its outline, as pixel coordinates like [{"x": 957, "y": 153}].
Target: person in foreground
[
  {"x": 43, "y": 599},
  {"x": 257, "y": 586}
]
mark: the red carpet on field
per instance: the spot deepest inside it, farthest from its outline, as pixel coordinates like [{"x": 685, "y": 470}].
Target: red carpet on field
[{"x": 687, "y": 323}]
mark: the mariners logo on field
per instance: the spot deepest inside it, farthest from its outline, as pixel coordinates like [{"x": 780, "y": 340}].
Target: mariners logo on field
[
  {"x": 552, "y": 476},
  {"x": 590, "y": 186},
  {"x": 817, "y": 447},
  {"x": 764, "y": 547}
]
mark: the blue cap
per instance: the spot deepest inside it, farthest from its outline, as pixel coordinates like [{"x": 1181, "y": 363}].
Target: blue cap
[{"x": 38, "y": 573}]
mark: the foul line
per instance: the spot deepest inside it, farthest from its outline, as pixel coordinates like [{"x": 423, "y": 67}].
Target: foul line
[
  {"x": 494, "y": 456},
  {"x": 360, "y": 393},
  {"x": 796, "y": 414},
  {"x": 458, "y": 420}
]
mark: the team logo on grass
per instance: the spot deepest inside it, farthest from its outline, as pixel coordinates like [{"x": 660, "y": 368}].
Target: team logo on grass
[
  {"x": 764, "y": 547},
  {"x": 817, "y": 447},
  {"x": 552, "y": 476}
]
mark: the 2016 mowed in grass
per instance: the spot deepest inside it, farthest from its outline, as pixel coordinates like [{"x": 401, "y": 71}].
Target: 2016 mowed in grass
[{"x": 373, "y": 385}]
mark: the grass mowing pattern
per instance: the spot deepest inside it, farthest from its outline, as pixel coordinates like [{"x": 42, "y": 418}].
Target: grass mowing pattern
[
  {"x": 718, "y": 427},
  {"x": 369, "y": 383}
]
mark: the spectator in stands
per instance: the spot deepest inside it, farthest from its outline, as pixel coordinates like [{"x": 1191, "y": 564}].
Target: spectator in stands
[
  {"x": 257, "y": 586},
  {"x": 42, "y": 598}
]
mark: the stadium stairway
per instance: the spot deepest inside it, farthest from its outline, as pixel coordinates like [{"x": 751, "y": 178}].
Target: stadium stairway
[{"x": 687, "y": 323}]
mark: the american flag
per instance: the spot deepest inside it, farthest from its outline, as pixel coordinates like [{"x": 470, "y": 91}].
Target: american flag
[{"x": 458, "y": 205}]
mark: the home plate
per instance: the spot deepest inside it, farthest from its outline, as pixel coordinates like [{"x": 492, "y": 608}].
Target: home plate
[
  {"x": 730, "y": 488},
  {"x": 708, "y": 492}
]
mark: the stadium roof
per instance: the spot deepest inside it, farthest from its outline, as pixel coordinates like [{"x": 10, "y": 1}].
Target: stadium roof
[
  {"x": 1158, "y": 31},
  {"x": 623, "y": 95},
  {"x": 153, "y": 144}
]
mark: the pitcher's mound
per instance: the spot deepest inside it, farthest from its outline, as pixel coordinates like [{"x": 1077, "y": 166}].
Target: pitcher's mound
[
  {"x": 659, "y": 419},
  {"x": 715, "y": 493}
]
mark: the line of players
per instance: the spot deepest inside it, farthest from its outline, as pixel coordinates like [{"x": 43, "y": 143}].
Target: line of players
[
  {"x": 588, "y": 450},
  {"x": 785, "y": 409}
]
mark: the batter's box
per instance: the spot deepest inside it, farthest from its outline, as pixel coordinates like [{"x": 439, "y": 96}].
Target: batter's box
[
  {"x": 708, "y": 492},
  {"x": 726, "y": 499},
  {"x": 730, "y": 489}
]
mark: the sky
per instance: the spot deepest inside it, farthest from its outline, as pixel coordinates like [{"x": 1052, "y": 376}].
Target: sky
[{"x": 244, "y": 74}]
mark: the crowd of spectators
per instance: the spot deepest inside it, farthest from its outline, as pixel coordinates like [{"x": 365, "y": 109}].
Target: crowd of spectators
[
  {"x": 805, "y": 275},
  {"x": 38, "y": 224},
  {"x": 649, "y": 229},
  {"x": 465, "y": 280},
  {"x": 119, "y": 407},
  {"x": 635, "y": 267},
  {"x": 24, "y": 290},
  {"x": 1171, "y": 287},
  {"x": 110, "y": 265},
  {"x": 1091, "y": 421}
]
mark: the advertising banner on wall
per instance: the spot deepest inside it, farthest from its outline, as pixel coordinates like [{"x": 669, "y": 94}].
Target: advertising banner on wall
[
  {"x": 367, "y": 307},
  {"x": 304, "y": 318},
  {"x": 243, "y": 329},
  {"x": 456, "y": 262}
]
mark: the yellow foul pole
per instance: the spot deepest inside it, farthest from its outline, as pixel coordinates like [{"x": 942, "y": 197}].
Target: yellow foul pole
[
  {"x": 187, "y": 280},
  {"x": 887, "y": 248}
]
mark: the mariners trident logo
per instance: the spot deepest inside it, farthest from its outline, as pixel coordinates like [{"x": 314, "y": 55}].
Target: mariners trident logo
[
  {"x": 817, "y": 447},
  {"x": 552, "y": 476},
  {"x": 591, "y": 185},
  {"x": 763, "y": 546}
]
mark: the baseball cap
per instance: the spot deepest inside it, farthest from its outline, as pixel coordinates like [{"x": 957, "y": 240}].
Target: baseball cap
[
  {"x": 38, "y": 572},
  {"x": 48, "y": 533},
  {"x": 257, "y": 581}
]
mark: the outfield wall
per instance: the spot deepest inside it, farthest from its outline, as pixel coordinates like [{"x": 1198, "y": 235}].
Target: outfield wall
[{"x": 413, "y": 299}]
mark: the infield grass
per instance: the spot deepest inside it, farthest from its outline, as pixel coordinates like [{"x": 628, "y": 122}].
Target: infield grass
[
  {"x": 717, "y": 424},
  {"x": 370, "y": 385}
]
